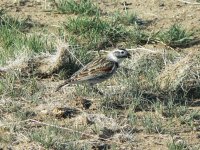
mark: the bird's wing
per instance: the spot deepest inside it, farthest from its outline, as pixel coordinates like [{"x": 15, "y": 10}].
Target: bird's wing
[{"x": 94, "y": 69}]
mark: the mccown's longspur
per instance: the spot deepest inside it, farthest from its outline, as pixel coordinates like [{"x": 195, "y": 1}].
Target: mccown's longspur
[{"x": 99, "y": 69}]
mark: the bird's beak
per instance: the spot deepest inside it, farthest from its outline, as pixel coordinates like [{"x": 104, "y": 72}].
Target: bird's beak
[{"x": 129, "y": 55}]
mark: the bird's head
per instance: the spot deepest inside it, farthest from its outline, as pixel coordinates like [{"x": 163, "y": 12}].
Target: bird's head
[{"x": 118, "y": 55}]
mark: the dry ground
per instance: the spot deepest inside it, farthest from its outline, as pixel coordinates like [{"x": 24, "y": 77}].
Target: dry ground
[{"x": 69, "y": 120}]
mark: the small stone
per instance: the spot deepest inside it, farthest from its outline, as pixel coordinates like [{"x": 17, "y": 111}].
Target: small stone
[
  {"x": 65, "y": 112},
  {"x": 161, "y": 5},
  {"x": 86, "y": 103},
  {"x": 45, "y": 112},
  {"x": 102, "y": 122},
  {"x": 18, "y": 9}
]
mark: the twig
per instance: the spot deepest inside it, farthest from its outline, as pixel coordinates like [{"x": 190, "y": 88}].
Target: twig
[
  {"x": 59, "y": 127},
  {"x": 187, "y": 2},
  {"x": 60, "y": 43},
  {"x": 164, "y": 44},
  {"x": 75, "y": 58},
  {"x": 125, "y": 8},
  {"x": 142, "y": 48},
  {"x": 71, "y": 130},
  {"x": 18, "y": 122}
]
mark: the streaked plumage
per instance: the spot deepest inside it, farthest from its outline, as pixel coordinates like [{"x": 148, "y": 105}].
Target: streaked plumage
[{"x": 99, "y": 69}]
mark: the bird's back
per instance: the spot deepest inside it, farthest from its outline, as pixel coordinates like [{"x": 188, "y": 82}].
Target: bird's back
[{"x": 94, "y": 72}]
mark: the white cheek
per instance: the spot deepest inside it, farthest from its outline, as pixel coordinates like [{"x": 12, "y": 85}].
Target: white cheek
[{"x": 112, "y": 57}]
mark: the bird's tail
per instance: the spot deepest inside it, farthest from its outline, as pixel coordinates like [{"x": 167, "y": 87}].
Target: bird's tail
[{"x": 61, "y": 85}]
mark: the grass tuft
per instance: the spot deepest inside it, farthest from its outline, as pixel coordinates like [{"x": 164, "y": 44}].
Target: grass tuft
[
  {"x": 86, "y": 7},
  {"x": 176, "y": 36},
  {"x": 96, "y": 32},
  {"x": 14, "y": 40},
  {"x": 128, "y": 19},
  {"x": 174, "y": 110},
  {"x": 179, "y": 145},
  {"x": 153, "y": 125}
]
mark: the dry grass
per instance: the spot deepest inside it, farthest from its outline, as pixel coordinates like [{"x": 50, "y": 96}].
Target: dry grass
[
  {"x": 182, "y": 74},
  {"x": 40, "y": 65}
]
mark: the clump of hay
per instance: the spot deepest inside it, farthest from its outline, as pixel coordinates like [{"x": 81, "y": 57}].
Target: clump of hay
[
  {"x": 183, "y": 74},
  {"x": 146, "y": 65},
  {"x": 40, "y": 65},
  {"x": 157, "y": 73}
]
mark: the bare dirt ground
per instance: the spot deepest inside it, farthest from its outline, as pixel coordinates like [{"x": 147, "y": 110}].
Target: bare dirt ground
[{"x": 163, "y": 14}]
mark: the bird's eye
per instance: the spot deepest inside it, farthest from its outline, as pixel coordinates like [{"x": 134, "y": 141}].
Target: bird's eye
[{"x": 122, "y": 52}]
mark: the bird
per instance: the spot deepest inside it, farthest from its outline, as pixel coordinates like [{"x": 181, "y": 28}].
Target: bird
[{"x": 98, "y": 70}]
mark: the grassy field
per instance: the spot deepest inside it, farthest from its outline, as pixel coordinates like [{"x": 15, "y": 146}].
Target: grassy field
[{"x": 151, "y": 103}]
